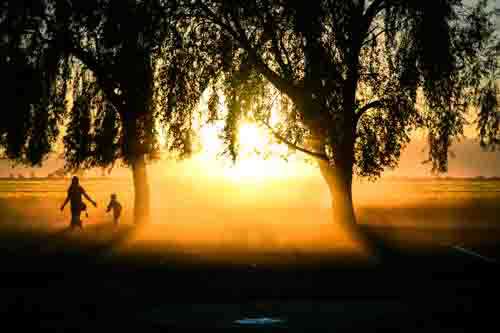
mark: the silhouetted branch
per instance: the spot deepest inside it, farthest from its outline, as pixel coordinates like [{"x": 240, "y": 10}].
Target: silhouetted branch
[
  {"x": 102, "y": 74},
  {"x": 279, "y": 53},
  {"x": 371, "y": 105},
  {"x": 371, "y": 12},
  {"x": 292, "y": 145},
  {"x": 373, "y": 9},
  {"x": 375, "y": 36},
  {"x": 239, "y": 34}
]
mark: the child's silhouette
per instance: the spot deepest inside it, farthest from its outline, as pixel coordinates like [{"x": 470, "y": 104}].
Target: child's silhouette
[{"x": 116, "y": 207}]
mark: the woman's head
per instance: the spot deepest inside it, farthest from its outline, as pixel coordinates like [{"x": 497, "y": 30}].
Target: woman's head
[{"x": 74, "y": 181}]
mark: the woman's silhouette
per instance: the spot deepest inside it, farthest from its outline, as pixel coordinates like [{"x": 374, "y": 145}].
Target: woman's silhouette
[{"x": 75, "y": 193}]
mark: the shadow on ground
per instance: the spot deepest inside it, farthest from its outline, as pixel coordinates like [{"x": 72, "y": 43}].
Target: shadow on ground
[{"x": 67, "y": 280}]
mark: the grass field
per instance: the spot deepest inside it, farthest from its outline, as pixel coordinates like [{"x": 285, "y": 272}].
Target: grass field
[
  {"x": 216, "y": 254},
  {"x": 297, "y": 215},
  {"x": 199, "y": 219}
]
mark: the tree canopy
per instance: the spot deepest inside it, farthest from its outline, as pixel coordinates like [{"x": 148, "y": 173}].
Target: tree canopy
[
  {"x": 108, "y": 70},
  {"x": 358, "y": 77},
  {"x": 353, "y": 79}
]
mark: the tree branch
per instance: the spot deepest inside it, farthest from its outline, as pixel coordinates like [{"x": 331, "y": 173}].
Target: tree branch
[
  {"x": 371, "y": 105},
  {"x": 239, "y": 35},
  {"x": 285, "y": 52},
  {"x": 280, "y": 83},
  {"x": 370, "y": 14},
  {"x": 271, "y": 29},
  {"x": 88, "y": 60},
  {"x": 292, "y": 145},
  {"x": 102, "y": 75},
  {"x": 374, "y": 37},
  {"x": 373, "y": 9}
]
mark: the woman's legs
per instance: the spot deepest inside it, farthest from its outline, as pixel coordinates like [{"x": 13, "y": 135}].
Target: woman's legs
[{"x": 75, "y": 220}]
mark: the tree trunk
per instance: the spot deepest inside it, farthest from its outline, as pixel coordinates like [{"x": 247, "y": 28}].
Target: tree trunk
[
  {"x": 141, "y": 190},
  {"x": 339, "y": 181}
]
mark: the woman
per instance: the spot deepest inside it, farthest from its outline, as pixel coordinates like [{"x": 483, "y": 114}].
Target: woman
[{"x": 75, "y": 193}]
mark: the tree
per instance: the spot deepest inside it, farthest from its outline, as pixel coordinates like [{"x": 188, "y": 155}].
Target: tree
[
  {"x": 106, "y": 70},
  {"x": 355, "y": 78}
]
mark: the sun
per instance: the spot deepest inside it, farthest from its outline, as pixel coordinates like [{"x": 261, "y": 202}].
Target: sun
[
  {"x": 252, "y": 138},
  {"x": 259, "y": 158}
]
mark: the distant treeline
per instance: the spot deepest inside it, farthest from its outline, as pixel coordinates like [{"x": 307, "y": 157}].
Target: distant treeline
[
  {"x": 23, "y": 178},
  {"x": 395, "y": 178},
  {"x": 477, "y": 178}
]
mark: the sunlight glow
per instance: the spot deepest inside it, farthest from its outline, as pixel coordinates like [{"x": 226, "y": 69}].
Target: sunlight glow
[
  {"x": 259, "y": 158},
  {"x": 252, "y": 138}
]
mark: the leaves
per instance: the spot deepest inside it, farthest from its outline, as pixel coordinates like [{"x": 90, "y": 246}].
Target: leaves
[
  {"x": 380, "y": 72},
  {"x": 107, "y": 58},
  {"x": 489, "y": 117},
  {"x": 143, "y": 64}
]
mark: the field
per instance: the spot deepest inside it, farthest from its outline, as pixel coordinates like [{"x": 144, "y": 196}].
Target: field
[
  {"x": 216, "y": 252},
  {"x": 190, "y": 214}
]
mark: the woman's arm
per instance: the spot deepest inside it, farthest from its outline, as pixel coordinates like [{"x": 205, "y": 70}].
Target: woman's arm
[
  {"x": 88, "y": 198},
  {"x": 65, "y": 202}
]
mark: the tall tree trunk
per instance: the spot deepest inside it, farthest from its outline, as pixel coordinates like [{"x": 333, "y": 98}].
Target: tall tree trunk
[
  {"x": 141, "y": 191},
  {"x": 134, "y": 151},
  {"x": 339, "y": 181}
]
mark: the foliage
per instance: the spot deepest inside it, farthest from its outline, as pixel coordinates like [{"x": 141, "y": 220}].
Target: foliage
[
  {"x": 354, "y": 79},
  {"x": 110, "y": 71},
  {"x": 360, "y": 76}
]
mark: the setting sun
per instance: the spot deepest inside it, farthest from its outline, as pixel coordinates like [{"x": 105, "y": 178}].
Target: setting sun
[
  {"x": 254, "y": 142},
  {"x": 252, "y": 138}
]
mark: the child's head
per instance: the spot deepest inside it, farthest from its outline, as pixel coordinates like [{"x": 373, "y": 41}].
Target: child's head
[{"x": 113, "y": 196}]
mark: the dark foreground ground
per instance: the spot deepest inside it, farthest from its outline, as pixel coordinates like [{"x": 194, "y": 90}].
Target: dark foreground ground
[{"x": 47, "y": 285}]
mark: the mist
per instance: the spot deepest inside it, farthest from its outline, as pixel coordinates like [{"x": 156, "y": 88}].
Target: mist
[{"x": 201, "y": 212}]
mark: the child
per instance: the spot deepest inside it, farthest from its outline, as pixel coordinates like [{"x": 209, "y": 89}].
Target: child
[{"x": 116, "y": 207}]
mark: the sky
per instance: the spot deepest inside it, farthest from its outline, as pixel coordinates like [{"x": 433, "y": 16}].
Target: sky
[{"x": 468, "y": 160}]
